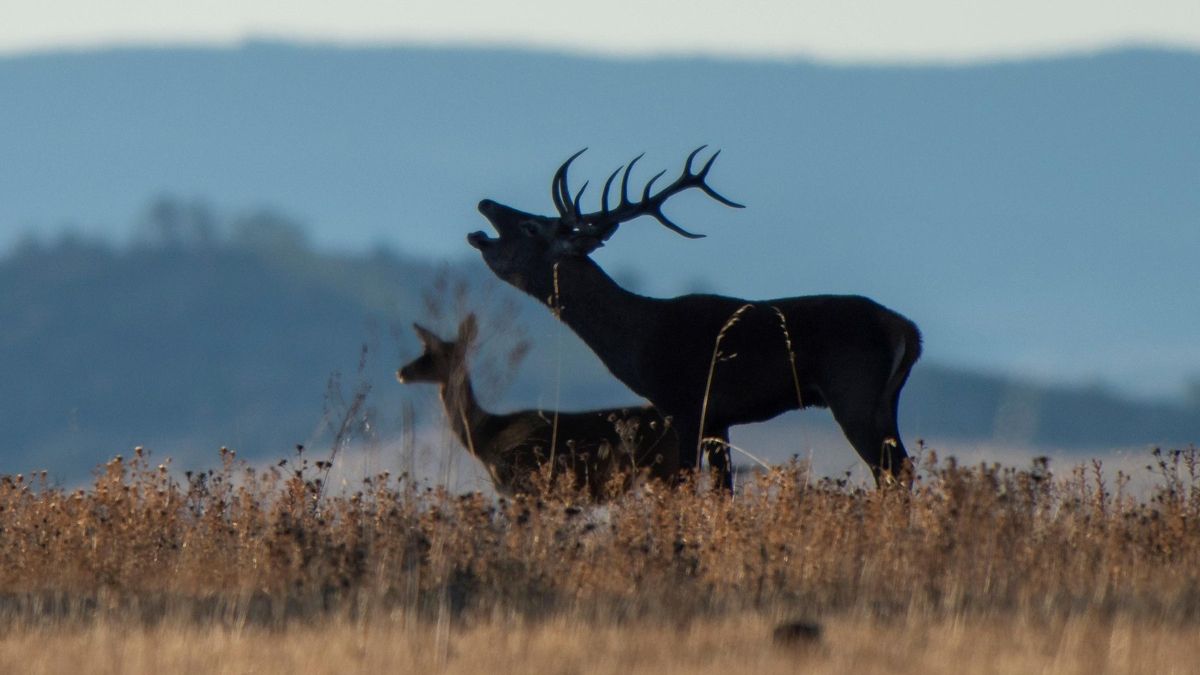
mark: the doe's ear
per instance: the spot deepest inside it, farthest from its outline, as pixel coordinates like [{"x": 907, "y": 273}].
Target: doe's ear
[
  {"x": 426, "y": 336},
  {"x": 468, "y": 330}
]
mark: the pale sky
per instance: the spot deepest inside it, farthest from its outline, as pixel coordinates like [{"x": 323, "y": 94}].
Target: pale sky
[{"x": 843, "y": 30}]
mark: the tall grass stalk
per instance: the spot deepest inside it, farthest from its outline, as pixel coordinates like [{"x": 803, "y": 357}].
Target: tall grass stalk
[{"x": 717, "y": 356}]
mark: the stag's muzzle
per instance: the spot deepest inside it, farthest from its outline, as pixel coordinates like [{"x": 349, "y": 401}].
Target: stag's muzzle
[
  {"x": 492, "y": 211},
  {"x": 479, "y": 240},
  {"x": 488, "y": 207}
]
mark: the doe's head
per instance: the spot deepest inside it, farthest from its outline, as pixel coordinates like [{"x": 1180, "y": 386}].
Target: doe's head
[{"x": 440, "y": 359}]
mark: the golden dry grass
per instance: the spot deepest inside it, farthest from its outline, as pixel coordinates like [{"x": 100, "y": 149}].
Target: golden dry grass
[
  {"x": 1083, "y": 645},
  {"x": 982, "y": 569}
]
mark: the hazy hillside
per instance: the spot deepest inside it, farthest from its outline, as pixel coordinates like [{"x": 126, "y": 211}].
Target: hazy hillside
[
  {"x": 211, "y": 331},
  {"x": 1034, "y": 217},
  {"x": 183, "y": 349}
]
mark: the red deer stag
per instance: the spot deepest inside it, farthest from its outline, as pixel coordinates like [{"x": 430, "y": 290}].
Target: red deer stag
[
  {"x": 592, "y": 446},
  {"x": 844, "y": 352}
]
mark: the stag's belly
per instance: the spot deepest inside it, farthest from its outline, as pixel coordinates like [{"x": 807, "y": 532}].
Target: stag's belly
[{"x": 746, "y": 404}]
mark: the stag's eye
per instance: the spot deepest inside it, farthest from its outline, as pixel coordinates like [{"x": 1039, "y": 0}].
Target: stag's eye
[{"x": 529, "y": 228}]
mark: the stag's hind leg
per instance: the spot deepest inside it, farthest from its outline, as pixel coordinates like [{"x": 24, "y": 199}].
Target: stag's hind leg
[
  {"x": 869, "y": 422},
  {"x": 894, "y": 461}
]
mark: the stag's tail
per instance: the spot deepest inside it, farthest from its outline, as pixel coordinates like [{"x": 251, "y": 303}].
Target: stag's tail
[{"x": 907, "y": 349}]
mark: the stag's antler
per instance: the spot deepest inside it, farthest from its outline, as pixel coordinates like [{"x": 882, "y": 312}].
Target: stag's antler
[{"x": 601, "y": 224}]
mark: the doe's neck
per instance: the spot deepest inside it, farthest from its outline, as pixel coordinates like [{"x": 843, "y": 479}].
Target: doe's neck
[{"x": 465, "y": 415}]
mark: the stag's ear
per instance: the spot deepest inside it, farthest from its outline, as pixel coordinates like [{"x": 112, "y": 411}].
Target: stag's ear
[
  {"x": 467, "y": 330},
  {"x": 426, "y": 336}
]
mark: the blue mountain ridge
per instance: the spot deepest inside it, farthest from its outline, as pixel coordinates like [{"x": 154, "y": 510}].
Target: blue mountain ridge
[{"x": 1034, "y": 217}]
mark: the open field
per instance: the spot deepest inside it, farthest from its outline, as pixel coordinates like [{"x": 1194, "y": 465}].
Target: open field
[
  {"x": 978, "y": 569},
  {"x": 741, "y": 643}
]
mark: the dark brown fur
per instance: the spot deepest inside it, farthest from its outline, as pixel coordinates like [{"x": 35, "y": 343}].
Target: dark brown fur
[{"x": 851, "y": 354}]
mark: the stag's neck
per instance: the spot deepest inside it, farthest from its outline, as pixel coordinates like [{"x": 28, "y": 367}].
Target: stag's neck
[
  {"x": 467, "y": 418},
  {"x": 610, "y": 319}
]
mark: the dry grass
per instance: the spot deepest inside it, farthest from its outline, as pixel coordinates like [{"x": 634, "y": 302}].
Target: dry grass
[
  {"x": 740, "y": 643},
  {"x": 978, "y": 568}
]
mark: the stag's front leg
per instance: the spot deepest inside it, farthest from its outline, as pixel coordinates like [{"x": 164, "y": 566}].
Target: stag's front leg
[{"x": 716, "y": 449}]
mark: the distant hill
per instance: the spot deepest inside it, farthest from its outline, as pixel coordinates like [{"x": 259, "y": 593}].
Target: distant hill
[
  {"x": 215, "y": 332},
  {"x": 1035, "y": 217},
  {"x": 183, "y": 349}
]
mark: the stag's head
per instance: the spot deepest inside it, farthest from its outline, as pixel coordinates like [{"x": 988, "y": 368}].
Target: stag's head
[{"x": 529, "y": 244}]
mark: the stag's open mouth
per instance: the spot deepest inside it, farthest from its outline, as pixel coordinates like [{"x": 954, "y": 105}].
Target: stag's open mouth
[{"x": 479, "y": 240}]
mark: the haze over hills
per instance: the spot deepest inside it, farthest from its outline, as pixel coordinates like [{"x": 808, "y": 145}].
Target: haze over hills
[
  {"x": 1035, "y": 217},
  {"x": 207, "y": 333}
]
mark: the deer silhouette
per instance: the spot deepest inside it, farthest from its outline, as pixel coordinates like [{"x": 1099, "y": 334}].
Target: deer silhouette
[
  {"x": 595, "y": 447},
  {"x": 709, "y": 361}
]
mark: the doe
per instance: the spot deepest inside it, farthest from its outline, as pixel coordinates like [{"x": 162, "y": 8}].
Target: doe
[{"x": 604, "y": 451}]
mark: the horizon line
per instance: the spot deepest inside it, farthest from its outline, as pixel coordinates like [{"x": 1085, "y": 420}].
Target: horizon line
[{"x": 548, "y": 48}]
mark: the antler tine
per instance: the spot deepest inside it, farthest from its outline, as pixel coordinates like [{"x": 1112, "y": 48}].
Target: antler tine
[
  {"x": 703, "y": 184},
  {"x": 557, "y": 197},
  {"x": 607, "y": 185},
  {"x": 646, "y": 199},
  {"x": 625, "y": 182},
  {"x": 687, "y": 166},
  {"x": 662, "y": 218},
  {"x": 560, "y": 192},
  {"x": 578, "y": 198}
]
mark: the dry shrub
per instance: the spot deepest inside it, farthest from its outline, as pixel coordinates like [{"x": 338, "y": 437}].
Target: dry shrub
[{"x": 239, "y": 544}]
